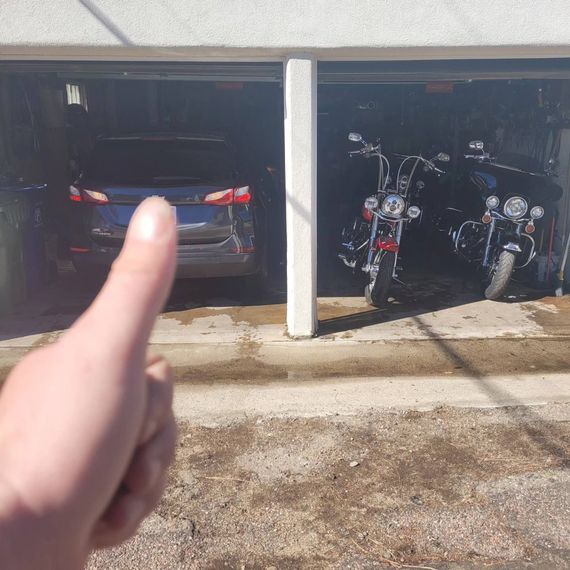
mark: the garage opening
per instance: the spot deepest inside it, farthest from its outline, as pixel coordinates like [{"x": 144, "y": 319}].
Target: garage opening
[
  {"x": 518, "y": 110},
  {"x": 117, "y": 132}
]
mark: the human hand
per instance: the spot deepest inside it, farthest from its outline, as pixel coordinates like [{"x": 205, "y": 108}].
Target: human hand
[{"x": 86, "y": 425}]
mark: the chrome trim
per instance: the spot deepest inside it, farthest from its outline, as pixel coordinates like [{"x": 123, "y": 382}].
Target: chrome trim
[
  {"x": 515, "y": 219},
  {"x": 351, "y": 264},
  {"x": 532, "y": 253},
  {"x": 373, "y": 234},
  {"x": 511, "y": 246},
  {"x": 391, "y": 220},
  {"x": 499, "y": 216},
  {"x": 488, "y": 244},
  {"x": 399, "y": 240},
  {"x": 461, "y": 227}
]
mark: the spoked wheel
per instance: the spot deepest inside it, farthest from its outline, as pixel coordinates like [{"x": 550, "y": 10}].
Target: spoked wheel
[
  {"x": 376, "y": 292},
  {"x": 499, "y": 275}
]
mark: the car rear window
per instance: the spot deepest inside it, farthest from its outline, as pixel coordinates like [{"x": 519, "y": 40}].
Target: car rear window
[{"x": 162, "y": 160}]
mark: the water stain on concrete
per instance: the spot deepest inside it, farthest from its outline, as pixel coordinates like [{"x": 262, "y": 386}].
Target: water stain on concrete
[
  {"x": 551, "y": 313},
  {"x": 253, "y": 315},
  {"x": 243, "y": 369},
  {"x": 272, "y": 314},
  {"x": 475, "y": 358}
]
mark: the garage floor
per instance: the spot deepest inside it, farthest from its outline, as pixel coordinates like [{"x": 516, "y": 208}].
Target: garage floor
[{"x": 430, "y": 307}]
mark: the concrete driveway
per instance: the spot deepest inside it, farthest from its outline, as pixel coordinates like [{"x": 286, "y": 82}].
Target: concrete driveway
[
  {"x": 432, "y": 434},
  {"x": 230, "y": 312},
  {"x": 227, "y": 331}
]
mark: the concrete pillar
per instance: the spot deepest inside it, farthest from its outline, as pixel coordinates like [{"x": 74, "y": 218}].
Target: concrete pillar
[{"x": 301, "y": 193}]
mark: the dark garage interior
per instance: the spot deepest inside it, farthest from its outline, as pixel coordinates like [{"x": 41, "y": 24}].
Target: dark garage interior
[
  {"x": 524, "y": 121},
  {"x": 51, "y": 114}
]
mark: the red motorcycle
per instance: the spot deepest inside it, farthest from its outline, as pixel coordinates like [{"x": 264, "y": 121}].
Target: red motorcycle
[{"x": 372, "y": 243}]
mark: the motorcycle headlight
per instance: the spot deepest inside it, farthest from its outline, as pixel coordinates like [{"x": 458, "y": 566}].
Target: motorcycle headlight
[
  {"x": 414, "y": 212},
  {"x": 537, "y": 212},
  {"x": 515, "y": 207},
  {"x": 393, "y": 206},
  {"x": 371, "y": 203},
  {"x": 492, "y": 202}
]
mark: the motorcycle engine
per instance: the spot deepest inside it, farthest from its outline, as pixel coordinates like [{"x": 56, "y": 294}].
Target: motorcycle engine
[{"x": 353, "y": 241}]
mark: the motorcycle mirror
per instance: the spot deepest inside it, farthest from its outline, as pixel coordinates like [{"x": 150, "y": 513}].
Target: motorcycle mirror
[
  {"x": 443, "y": 157},
  {"x": 355, "y": 137},
  {"x": 476, "y": 145}
]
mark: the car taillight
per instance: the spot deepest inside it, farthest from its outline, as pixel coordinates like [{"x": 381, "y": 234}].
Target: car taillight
[
  {"x": 78, "y": 194},
  {"x": 230, "y": 196},
  {"x": 221, "y": 198},
  {"x": 242, "y": 195},
  {"x": 75, "y": 194}
]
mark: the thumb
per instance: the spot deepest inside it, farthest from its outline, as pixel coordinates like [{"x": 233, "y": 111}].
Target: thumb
[{"x": 123, "y": 314}]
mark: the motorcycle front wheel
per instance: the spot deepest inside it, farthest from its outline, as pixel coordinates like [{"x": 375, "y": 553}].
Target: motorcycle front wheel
[
  {"x": 376, "y": 292},
  {"x": 499, "y": 276}
]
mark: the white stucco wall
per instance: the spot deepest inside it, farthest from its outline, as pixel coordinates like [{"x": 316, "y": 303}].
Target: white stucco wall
[{"x": 252, "y": 29}]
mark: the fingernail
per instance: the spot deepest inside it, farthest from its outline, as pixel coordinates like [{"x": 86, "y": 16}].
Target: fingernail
[{"x": 152, "y": 220}]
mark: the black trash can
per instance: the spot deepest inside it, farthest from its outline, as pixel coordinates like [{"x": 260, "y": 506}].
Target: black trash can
[
  {"x": 35, "y": 254},
  {"x": 14, "y": 218},
  {"x": 34, "y": 236}
]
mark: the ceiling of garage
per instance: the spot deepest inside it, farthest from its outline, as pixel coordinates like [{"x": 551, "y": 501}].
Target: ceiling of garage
[
  {"x": 266, "y": 72},
  {"x": 365, "y": 72}
]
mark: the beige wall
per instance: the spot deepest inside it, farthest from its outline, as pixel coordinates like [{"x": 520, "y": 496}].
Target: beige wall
[{"x": 253, "y": 29}]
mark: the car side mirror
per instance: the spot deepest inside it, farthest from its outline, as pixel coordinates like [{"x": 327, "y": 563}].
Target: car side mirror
[
  {"x": 476, "y": 145},
  {"x": 355, "y": 137}
]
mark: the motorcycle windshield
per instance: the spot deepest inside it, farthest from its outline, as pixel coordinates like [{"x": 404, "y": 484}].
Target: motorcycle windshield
[{"x": 503, "y": 180}]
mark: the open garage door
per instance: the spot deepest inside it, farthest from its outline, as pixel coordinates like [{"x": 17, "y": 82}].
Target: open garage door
[
  {"x": 247, "y": 72},
  {"x": 208, "y": 137},
  {"x": 519, "y": 109},
  {"x": 366, "y": 72}
]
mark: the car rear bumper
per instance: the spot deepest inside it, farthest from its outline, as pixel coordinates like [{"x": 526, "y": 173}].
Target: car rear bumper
[
  {"x": 192, "y": 261},
  {"x": 223, "y": 265}
]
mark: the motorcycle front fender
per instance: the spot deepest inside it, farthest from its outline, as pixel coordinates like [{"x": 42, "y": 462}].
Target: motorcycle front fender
[
  {"x": 511, "y": 246},
  {"x": 510, "y": 242}
]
